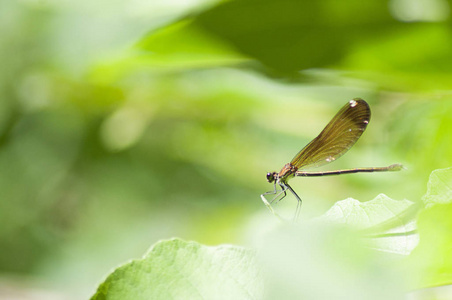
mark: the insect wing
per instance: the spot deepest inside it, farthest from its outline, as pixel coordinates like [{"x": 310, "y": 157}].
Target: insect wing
[{"x": 337, "y": 137}]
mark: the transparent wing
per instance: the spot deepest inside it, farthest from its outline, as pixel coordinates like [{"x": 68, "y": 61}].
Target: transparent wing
[{"x": 337, "y": 137}]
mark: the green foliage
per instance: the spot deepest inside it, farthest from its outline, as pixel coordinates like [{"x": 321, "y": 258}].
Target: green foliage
[
  {"x": 297, "y": 260},
  {"x": 177, "y": 269},
  {"x": 366, "y": 214},
  {"x": 387, "y": 223},
  {"x": 128, "y": 123},
  {"x": 291, "y": 35}
]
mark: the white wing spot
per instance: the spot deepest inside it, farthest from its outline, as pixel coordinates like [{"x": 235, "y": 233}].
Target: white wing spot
[
  {"x": 366, "y": 122},
  {"x": 330, "y": 158},
  {"x": 353, "y": 103}
]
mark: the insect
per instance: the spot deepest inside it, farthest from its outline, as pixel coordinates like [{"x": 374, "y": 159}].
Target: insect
[{"x": 339, "y": 135}]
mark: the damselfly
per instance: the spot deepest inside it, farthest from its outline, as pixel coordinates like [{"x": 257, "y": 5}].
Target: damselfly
[{"x": 336, "y": 138}]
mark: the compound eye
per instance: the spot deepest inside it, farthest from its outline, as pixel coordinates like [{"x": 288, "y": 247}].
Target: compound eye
[{"x": 270, "y": 177}]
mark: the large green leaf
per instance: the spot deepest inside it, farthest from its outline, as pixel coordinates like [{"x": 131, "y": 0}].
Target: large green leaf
[
  {"x": 367, "y": 214},
  {"x": 387, "y": 223},
  {"x": 292, "y": 35},
  {"x": 288, "y": 36},
  {"x": 176, "y": 269}
]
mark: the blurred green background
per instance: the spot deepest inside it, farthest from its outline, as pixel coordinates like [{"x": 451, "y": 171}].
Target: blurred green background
[{"x": 126, "y": 122}]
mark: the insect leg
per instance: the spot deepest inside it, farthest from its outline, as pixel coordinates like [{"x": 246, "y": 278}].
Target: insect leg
[
  {"x": 277, "y": 195},
  {"x": 297, "y": 211}
]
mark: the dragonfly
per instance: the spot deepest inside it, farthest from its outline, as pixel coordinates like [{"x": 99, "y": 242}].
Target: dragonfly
[{"x": 339, "y": 135}]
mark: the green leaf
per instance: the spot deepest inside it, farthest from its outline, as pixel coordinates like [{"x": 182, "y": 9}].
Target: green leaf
[
  {"x": 367, "y": 214},
  {"x": 386, "y": 222},
  {"x": 439, "y": 187},
  {"x": 176, "y": 269},
  {"x": 290, "y": 35}
]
